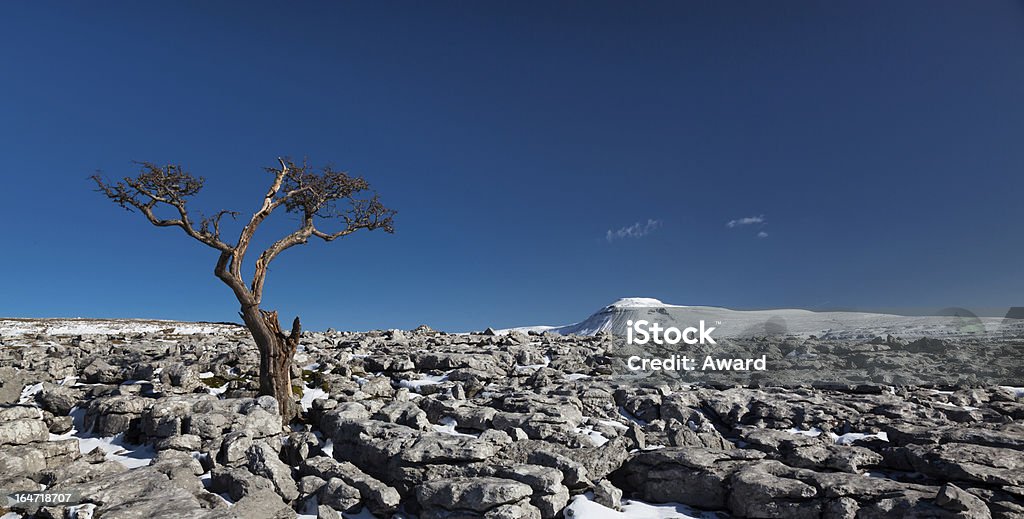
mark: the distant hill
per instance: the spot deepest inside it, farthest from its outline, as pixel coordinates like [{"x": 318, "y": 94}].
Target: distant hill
[{"x": 788, "y": 321}]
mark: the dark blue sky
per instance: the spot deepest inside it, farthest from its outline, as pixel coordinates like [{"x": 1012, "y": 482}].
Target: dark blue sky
[{"x": 881, "y": 142}]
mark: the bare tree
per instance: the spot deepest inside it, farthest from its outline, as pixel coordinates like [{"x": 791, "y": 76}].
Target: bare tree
[{"x": 314, "y": 195}]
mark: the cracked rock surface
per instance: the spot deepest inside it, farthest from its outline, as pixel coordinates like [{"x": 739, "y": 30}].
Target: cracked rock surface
[{"x": 420, "y": 423}]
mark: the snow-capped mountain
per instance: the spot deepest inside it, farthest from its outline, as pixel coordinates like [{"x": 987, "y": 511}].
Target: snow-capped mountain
[{"x": 789, "y": 321}]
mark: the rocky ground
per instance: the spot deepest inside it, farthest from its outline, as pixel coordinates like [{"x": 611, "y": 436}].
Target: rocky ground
[{"x": 156, "y": 423}]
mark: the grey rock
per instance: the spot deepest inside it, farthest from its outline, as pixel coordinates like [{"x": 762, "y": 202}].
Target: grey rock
[
  {"x": 21, "y": 460},
  {"x": 22, "y": 431},
  {"x": 692, "y": 476},
  {"x": 967, "y": 505},
  {"x": 234, "y": 448},
  {"x": 404, "y": 413},
  {"x": 968, "y": 462},
  {"x": 59, "y": 400},
  {"x": 326, "y": 512},
  {"x": 181, "y": 442},
  {"x": 758, "y": 492},
  {"x": 473, "y": 494},
  {"x": 12, "y": 381},
  {"x": 309, "y": 485},
  {"x": 139, "y": 493},
  {"x": 180, "y": 375},
  {"x": 379, "y": 497},
  {"x": 606, "y": 494},
  {"x": 239, "y": 483},
  {"x": 15, "y": 412},
  {"x": 263, "y": 461},
  {"x": 340, "y": 495},
  {"x": 100, "y": 371}
]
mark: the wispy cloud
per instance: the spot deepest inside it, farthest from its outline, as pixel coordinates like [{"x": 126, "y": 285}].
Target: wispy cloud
[
  {"x": 745, "y": 221},
  {"x": 762, "y": 234},
  {"x": 637, "y": 230}
]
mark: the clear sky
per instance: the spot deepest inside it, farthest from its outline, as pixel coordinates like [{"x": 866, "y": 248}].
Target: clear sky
[{"x": 546, "y": 158}]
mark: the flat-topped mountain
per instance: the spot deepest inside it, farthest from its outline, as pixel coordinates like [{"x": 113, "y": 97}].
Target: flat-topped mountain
[{"x": 786, "y": 321}]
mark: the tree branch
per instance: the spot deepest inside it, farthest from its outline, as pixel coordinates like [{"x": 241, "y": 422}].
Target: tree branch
[{"x": 295, "y": 186}]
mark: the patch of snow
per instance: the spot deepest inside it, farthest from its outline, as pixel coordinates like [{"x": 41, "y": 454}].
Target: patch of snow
[
  {"x": 429, "y": 380},
  {"x": 85, "y": 511},
  {"x": 613, "y": 423},
  {"x": 839, "y": 439},
  {"x": 583, "y": 507},
  {"x": 217, "y": 391},
  {"x": 206, "y": 374},
  {"x": 640, "y": 302},
  {"x": 309, "y": 394},
  {"x": 11, "y": 515},
  {"x": 447, "y": 426},
  {"x": 1017, "y": 391},
  {"x": 576, "y": 376},
  {"x": 629, "y": 416},
  {"x": 28, "y": 394},
  {"x": 596, "y": 438},
  {"x": 954, "y": 406},
  {"x": 813, "y": 432},
  {"x": 128, "y": 455},
  {"x": 849, "y": 438},
  {"x": 328, "y": 448}
]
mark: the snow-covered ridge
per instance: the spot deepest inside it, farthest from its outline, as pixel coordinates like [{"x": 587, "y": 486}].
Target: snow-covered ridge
[
  {"x": 641, "y": 302},
  {"x": 785, "y": 321},
  {"x": 76, "y": 326}
]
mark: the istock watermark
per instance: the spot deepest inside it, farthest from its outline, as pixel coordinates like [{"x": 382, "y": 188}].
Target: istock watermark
[
  {"x": 642, "y": 332},
  {"x": 646, "y": 331}
]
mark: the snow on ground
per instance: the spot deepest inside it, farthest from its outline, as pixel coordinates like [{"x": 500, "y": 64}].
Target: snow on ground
[
  {"x": 84, "y": 511},
  {"x": 641, "y": 302},
  {"x": 840, "y": 439},
  {"x": 131, "y": 456},
  {"x": 813, "y": 432},
  {"x": 596, "y": 438},
  {"x": 583, "y": 507},
  {"x": 790, "y": 321},
  {"x": 429, "y": 380},
  {"x": 75, "y": 326},
  {"x": 1017, "y": 391},
  {"x": 448, "y": 425},
  {"x": 309, "y": 394},
  {"x": 28, "y": 394},
  {"x": 849, "y": 438}
]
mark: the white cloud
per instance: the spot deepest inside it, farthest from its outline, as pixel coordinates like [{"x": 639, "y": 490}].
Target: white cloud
[
  {"x": 762, "y": 234},
  {"x": 637, "y": 230},
  {"x": 745, "y": 221}
]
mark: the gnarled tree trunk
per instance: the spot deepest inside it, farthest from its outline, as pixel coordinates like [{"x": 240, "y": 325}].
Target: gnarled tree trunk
[
  {"x": 277, "y": 350},
  {"x": 327, "y": 194}
]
